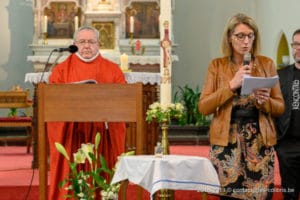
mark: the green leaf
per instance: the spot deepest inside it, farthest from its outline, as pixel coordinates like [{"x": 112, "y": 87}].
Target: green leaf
[
  {"x": 92, "y": 156},
  {"x": 101, "y": 181},
  {"x": 62, "y": 183},
  {"x": 73, "y": 167},
  {"x": 104, "y": 166},
  {"x": 13, "y": 112},
  {"x": 128, "y": 153},
  {"x": 189, "y": 97},
  {"x": 75, "y": 184}
]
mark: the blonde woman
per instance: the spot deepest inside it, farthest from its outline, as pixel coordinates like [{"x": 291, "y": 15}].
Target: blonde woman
[{"x": 242, "y": 133}]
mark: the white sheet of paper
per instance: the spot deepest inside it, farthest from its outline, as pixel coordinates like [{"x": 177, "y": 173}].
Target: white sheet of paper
[{"x": 251, "y": 83}]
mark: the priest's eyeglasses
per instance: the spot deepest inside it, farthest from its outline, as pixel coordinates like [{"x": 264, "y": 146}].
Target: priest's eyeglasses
[
  {"x": 295, "y": 45},
  {"x": 83, "y": 42},
  {"x": 242, "y": 36}
]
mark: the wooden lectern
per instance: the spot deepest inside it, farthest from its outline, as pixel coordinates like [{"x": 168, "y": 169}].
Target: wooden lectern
[{"x": 82, "y": 103}]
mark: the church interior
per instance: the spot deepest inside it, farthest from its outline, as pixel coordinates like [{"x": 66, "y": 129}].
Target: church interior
[{"x": 161, "y": 46}]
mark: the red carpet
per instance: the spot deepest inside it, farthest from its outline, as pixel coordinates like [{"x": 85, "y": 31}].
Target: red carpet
[{"x": 16, "y": 175}]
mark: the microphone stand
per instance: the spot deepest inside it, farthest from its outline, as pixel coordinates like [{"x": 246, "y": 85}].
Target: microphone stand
[
  {"x": 35, "y": 111},
  {"x": 46, "y": 68},
  {"x": 55, "y": 62},
  {"x": 35, "y": 114},
  {"x": 71, "y": 49}
]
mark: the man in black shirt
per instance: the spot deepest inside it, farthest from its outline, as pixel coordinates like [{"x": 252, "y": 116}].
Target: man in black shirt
[{"x": 288, "y": 125}]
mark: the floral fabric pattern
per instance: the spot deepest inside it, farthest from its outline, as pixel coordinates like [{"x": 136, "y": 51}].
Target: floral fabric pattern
[{"x": 245, "y": 166}]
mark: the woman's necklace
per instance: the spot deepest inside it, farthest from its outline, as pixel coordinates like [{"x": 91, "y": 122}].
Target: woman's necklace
[{"x": 233, "y": 66}]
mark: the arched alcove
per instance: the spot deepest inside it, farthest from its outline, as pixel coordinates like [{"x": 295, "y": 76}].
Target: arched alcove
[{"x": 282, "y": 50}]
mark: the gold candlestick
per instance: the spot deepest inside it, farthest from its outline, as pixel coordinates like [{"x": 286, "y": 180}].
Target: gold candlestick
[
  {"x": 131, "y": 38},
  {"x": 45, "y": 38},
  {"x": 164, "y": 138},
  {"x": 165, "y": 194}
]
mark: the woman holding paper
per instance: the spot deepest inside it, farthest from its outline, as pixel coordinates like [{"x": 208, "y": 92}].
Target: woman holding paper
[{"x": 242, "y": 133}]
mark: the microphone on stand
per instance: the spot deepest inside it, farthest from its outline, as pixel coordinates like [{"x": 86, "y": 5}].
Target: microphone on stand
[
  {"x": 55, "y": 62},
  {"x": 71, "y": 49}
]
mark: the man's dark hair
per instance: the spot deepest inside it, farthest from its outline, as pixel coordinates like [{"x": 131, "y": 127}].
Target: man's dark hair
[{"x": 296, "y": 32}]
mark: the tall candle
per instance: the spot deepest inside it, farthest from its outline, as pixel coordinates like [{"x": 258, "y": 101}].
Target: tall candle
[
  {"x": 165, "y": 52},
  {"x": 131, "y": 24},
  {"x": 75, "y": 23},
  {"x": 165, "y": 93},
  {"x": 124, "y": 61},
  {"x": 45, "y": 24}
]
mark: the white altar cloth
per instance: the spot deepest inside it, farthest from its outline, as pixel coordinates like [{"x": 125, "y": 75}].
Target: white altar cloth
[
  {"x": 131, "y": 77},
  {"x": 168, "y": 172}
]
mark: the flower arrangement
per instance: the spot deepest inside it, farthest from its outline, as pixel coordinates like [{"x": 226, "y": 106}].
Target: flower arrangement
[
  {"x": 164, "y": 112},
  {"x": 85, "y": 184}
]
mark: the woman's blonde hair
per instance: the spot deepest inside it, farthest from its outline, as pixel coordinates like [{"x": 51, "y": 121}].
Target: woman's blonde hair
[{"x": 240, "y": 18}]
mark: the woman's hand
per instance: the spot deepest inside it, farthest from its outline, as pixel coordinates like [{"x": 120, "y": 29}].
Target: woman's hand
[
  {"x": 262, "y": 95},
  {"x": 237, "y": 80}
]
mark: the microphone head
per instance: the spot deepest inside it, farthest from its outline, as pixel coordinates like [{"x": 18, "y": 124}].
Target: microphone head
[
  {"x": 247, "y": 58},
  {"x": 73, "y": 48}
]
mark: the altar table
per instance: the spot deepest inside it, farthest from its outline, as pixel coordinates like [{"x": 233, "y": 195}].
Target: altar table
[
  {"x": 175, "y": 172},
  {"x": 131, "y": 77}
]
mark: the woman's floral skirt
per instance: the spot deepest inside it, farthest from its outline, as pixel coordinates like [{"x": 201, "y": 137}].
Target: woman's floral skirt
[{"x": 245, "y": 166}]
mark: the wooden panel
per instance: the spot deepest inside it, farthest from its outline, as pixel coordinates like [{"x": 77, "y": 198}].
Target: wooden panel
[
  {"x": 150, "y": 95},
  {"x": 103, "y": 106},
  {"x": 155, "y": 68}
]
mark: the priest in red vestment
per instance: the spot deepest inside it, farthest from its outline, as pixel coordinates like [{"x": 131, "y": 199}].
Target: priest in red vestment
[{"x": 85, "y": 64}]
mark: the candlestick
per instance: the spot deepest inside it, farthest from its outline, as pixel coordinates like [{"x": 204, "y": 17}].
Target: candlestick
[
  {"x": 124, "y": 61},
  {"x": 75, "y": 23},
  {"x": 131, "y": 30},
  {"x": 131, "y": 38},
  {"x": 45, "y": 24},
  {"x": 45, "y": 38},
  {"x": 164, "y": 138}
]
